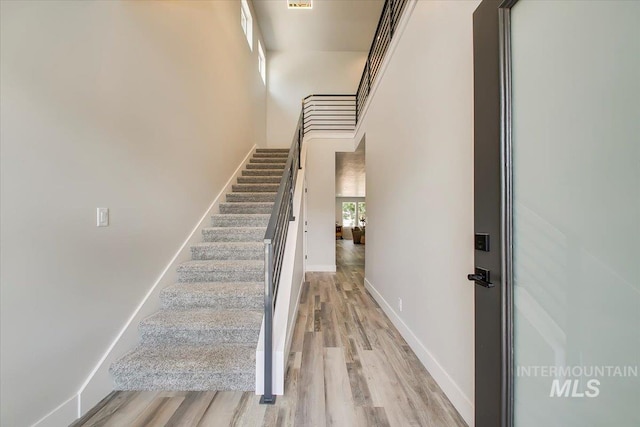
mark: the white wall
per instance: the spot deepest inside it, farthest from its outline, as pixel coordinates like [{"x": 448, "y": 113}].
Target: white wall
[
  {"x": 142, "y": 107},
  {"x": 293, "y": 75},
  {"x": 321, "y": 197},
  {"x": 419, "y": 177}
]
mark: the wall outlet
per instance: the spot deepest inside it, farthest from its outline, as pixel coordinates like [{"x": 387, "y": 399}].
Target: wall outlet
[
  {"x": 103, "y": 217},
  {"x": 400, "y": 304}
]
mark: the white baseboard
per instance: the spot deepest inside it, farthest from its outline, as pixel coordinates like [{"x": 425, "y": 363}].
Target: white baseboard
[
  {"x": 328, "y": 268},
  {"x": 99, "y": 383},
  {"x": 63, "y": 415},
  {"x": 458, "y": 398}
]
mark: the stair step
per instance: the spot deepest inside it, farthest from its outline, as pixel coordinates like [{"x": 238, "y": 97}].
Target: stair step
[
  {"x": 187, "y": 368},
  {"x": 272, "y": 150},
  {"x": 201, "y": 326},
  {"x": 240, "y": 220},
  {"x": 214, "y": 295},
  {"x": 274, "y": 160},
  {"x": 246, "y": 208},
  {"x": 263, "y": 172},
  {"x": 274, "y": 166},
  {"x": 251, "y": 197},
  {"x": 234, "y": 234},
  {"x": 255, "y": 188},
  {"x": 221, "y": 271},
  {"x": 277, "y": 154},
  {"x": 228, "y": 250},
  {"x": 259, "y": 179}
]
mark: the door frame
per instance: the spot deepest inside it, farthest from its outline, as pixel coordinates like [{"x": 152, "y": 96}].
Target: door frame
[
  {"x": 506, "y": 208},
  {"x": 494, "y": 29}
]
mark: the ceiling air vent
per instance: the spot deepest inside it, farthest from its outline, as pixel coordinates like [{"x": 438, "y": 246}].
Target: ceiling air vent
[{"x": 300, "y": 4}]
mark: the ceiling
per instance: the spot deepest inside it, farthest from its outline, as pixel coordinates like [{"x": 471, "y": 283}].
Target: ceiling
[
  {"x": 332, "y": 25},
  {"x": 350, "y": 173}
]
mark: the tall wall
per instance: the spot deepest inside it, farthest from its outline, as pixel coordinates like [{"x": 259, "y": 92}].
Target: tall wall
[
  {"x": 419, "y": 160},
  {"x": 293, "y": 75},
  {"x": 142, "y": 107}
]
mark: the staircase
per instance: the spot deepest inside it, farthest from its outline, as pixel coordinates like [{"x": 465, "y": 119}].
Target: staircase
[{"x": 205, "y": 335}]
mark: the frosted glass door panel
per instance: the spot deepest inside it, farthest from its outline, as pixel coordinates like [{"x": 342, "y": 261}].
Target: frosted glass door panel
[{"x": 576, "y": 148}]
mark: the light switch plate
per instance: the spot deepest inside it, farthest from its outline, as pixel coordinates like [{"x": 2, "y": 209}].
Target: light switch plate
[{"x": 103, "y": 217}]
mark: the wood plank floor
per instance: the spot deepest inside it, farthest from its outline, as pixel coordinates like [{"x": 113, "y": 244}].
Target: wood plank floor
[{"x": 348, "y": 366}]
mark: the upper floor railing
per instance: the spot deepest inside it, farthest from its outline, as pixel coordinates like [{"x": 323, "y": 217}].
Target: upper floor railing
[
  {"x": 329, "y": 113},
  {"x": 342, "y": 112},
  {"x": 387, "y": 25}
]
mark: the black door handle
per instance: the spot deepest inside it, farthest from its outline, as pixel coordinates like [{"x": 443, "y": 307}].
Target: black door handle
[{"x": 482, "y": 277}]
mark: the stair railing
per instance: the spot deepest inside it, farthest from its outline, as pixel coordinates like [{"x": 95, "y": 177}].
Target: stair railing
[
  {"x": 274, "y": 246},
  {"x": 318, "y": 113}
]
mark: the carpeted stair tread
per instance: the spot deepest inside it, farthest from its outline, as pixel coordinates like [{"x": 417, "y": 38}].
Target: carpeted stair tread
[
  {"x": 252, "y": 197},
  {"x": 188, "y": 368},
  {"x": 221, "y": 270},
  {"x": 259, "y": 179},
  {"x": 228, "y": 251},
  {"x": 259, "y": 155},
  {"x": 277, "y": 160},
  {"x": 268, "y": 166},
  {"x": 234, "y": 234},
  {"x": 201, "y": 326},
  {"x": 246, "y": 207},
  {"x": 263, "y": 172},
  {"x": 272, "y": 150},
  {"x": 214, "y": 295},
  {"x": 224, "y": 265},
  {"x": 240, "y": 220},
  {"x": 255, "y": 188}
]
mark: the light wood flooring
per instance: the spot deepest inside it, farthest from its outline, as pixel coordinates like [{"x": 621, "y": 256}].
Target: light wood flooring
[{"x": 348, "y": 366}]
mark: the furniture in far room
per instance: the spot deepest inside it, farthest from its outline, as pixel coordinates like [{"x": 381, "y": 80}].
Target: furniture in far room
[{"x": 357, "y": 234}]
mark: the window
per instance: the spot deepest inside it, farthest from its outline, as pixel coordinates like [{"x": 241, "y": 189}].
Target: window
[
  {"x": 246, "y": 22},
  {"x": 362, "y": 214},
  {"x": 262, "y": 63},
  {"x": 353, "y": 214},
  {"x": 348, "y": 214}
]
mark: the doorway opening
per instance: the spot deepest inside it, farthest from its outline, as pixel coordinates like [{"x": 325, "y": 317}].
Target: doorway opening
[{"x": 351, "y": 206}]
